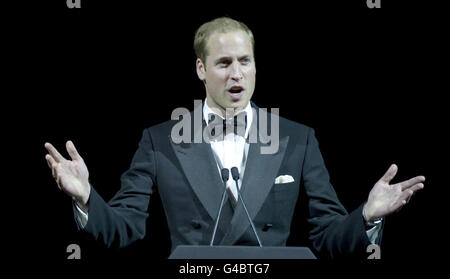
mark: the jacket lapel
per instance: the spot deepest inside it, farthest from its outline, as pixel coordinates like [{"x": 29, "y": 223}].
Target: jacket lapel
[
  {"x": 200, "y": 168},
  {"x": 259, "y": 177}
]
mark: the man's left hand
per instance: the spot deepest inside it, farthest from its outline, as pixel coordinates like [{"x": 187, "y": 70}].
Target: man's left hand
[{"x": 385, "y": 199}]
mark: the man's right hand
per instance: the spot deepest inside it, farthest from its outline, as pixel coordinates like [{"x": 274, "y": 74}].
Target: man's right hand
[{"x": 72, "y": 176}]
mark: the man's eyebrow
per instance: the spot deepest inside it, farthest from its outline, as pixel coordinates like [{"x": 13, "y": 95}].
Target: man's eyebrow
[
  {"x": 222, "y": 59},
  {"x": 244, "y": 56},
  {"x": 225, "y": 58}
]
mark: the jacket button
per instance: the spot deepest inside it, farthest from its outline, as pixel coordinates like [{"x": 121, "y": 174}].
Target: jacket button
[
  {"x": 195, "y": 224},
  {"x": 267, "y": 227}
]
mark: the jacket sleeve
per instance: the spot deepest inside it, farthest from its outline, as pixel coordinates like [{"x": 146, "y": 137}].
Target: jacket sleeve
[
  {"x": 334, "y": 233},
  {"x": 122, "y": 220}
]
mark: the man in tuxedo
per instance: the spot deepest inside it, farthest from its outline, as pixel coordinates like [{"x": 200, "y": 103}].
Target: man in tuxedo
[{"x": 187, "y": 175}]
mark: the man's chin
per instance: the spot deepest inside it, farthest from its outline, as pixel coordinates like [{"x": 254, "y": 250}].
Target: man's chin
[{"x": 233, "y": 104}]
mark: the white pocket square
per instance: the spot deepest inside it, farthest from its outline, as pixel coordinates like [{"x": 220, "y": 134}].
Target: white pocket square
[{"x": 284, "y": 179}]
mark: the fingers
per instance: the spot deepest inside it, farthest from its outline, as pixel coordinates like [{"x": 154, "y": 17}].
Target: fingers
[
  {"x": 417, "y": 187},
  {"x": 54, "y": 167},
  {"x": 53, "y": 152},
  {"x": 57, "y": 176},
  {"x": 49, "y": 160},
  {"x": 389, "y": 175},
  {"x": 411, "y": 182},
  {"x": 72, "y": 151},
  {"x": 54, "y": 158},
  {"x": 51, "y": 164},
  {"x": 407, "y": 194}
]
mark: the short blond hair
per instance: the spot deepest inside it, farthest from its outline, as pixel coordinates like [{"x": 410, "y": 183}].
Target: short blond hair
[{"x": 221, "y": 25}]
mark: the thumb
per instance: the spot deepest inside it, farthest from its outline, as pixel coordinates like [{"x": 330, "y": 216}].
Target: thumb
[
  {"x": 72, "y": 151},
  {"x": 390, "y": 174}
]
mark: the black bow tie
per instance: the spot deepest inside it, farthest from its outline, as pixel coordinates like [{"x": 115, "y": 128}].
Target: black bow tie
[{"x": 218, "y": 126}]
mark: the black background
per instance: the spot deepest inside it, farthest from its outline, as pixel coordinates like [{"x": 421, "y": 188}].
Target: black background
[{"x": 369, "y": 81}]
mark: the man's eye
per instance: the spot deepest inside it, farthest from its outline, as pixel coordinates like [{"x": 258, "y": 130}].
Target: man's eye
[{"x": 245, "y": 61}]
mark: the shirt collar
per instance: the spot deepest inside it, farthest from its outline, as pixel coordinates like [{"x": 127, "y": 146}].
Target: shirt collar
[{"x": 248, "y": 109}]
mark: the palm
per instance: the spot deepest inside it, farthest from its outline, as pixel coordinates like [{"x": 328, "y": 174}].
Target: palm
[
  {"x": 72, "y": 176},
  {"x": 385, "y": 198}
]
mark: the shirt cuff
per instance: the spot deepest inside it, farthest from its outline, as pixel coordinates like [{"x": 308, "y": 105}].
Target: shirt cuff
[
  {"x": 82, "y": 217},
  {"x": 374, "y": 233}
]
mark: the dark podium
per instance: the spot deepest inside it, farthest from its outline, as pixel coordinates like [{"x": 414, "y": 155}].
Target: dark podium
[{"x": 240, "y": 252}]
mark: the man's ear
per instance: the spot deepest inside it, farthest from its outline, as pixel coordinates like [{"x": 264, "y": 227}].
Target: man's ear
[{"x": 200, "y": 70}]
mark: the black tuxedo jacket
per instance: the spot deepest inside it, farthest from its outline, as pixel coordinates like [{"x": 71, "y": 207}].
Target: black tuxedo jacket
[{"x": 188, "y": 181}]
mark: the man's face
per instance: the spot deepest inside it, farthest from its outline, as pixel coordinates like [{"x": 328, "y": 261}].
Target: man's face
[{"x": 229, "y": 71}]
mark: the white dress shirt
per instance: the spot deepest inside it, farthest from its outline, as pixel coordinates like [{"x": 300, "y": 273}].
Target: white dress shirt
[{"x": 232, "y": 150}]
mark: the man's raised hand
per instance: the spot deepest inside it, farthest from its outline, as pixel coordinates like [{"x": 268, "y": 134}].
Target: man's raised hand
[
  {"x": 72, "y": 176},
  {"x": 385, "y": 198}
]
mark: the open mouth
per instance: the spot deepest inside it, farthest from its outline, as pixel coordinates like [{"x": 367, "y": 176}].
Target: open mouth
[
  {"x": 236, "y": 89},
  {"x": 236, "y": 92}
]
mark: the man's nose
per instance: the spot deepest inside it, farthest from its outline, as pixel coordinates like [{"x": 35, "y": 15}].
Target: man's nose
[{"x": 236, "y": 73}]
